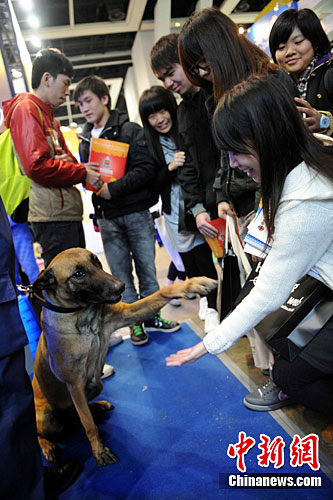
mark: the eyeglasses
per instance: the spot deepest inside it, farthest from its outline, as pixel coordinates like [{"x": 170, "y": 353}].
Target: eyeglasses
[{"x": 203, "y": 66}]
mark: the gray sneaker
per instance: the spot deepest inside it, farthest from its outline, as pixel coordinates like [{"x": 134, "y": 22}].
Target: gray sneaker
[{"x": 267, "y": 397}]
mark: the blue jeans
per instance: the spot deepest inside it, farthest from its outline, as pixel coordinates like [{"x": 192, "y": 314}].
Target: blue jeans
[{"x": 126, "y": 238}]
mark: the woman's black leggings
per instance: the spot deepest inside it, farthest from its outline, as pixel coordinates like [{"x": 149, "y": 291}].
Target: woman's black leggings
[
  {"x": 199, "y": 262},
  {"x": 305, "y": 384}
]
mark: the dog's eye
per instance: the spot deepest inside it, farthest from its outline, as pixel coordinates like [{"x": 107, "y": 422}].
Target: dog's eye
[{"x": 78, "y": 275}]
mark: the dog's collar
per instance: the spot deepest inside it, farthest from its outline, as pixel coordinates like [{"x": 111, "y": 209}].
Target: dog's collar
[{"x": 45, "y": 303}]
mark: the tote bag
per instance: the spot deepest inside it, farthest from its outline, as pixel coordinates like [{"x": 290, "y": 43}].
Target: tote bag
[{"x": 305, "y": 312}]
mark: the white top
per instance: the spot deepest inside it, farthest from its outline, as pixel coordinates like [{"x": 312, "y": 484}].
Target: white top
[
  {"x": 303, "y": 240},
  {"x": 96, "y": 132}
]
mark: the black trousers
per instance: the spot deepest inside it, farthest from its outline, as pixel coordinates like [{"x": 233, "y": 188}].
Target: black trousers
[
  {"x": 199, "y": 262},
  {"x": 173, "y": 273},
  {"x": 305, "y": 384},
  {"x": 21, "y": 468},
  {"x": 58, "y": 236}
]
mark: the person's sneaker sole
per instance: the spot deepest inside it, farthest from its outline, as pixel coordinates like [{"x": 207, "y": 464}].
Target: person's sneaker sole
[
  {"x": 166, "y": 330},
  {"x": 271, "y": 407},
  {"x": 140, "y": 342}
]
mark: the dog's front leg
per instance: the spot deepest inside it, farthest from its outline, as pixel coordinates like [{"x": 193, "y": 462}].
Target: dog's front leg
[
  {"x": 122, "y": 314},
  {"x": 103, "y": 454}
]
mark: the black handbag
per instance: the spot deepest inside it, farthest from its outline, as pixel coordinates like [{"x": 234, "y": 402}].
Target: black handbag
[
  {"x": 230, "y": 284},
  {"x": 303, "y": 315}
]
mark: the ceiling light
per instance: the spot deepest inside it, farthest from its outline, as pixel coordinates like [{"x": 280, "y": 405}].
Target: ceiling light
[
  {"x": 277, "y": 6},
  {"x": 177, "y": 24},
  {"x": 33, "y": 21},
  {"x": 241, "y": 30},
  {"x": 36, "y": 42}
]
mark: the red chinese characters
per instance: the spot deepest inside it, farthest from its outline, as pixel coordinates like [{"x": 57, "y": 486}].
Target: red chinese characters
[
  {"x": 272, "y": 452},
  {"x": 240, "y": 449},
  {"x": 302, "y": 451},
  {"x": 305, "y": 451}
]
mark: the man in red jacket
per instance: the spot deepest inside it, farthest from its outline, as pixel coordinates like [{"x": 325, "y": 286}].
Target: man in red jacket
[{"x": 55, "y": 205}]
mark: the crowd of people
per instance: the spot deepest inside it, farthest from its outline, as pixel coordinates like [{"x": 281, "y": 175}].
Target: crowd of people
[{"x": 242, "y": 132}]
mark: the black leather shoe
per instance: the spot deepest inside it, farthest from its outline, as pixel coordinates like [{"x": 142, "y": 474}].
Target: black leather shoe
[{"x": 59, "y": 477}]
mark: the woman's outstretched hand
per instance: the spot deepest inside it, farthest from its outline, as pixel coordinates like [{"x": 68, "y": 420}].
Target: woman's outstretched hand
[{"x": 187, "y": 355}]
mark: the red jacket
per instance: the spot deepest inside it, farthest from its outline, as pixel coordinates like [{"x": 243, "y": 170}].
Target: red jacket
[{"x": 36, "y": 141}]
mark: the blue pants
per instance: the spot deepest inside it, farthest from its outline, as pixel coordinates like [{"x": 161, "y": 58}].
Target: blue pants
[
  {"x": 24, "y": 251},
  {"x": 131, "y": 238},
  {"x": 21, "y": 468}
]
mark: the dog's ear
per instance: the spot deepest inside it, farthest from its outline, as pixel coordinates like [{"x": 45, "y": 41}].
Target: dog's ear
[{"x": 46, "y": 280}]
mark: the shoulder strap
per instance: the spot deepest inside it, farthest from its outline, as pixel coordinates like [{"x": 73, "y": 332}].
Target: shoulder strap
[{"x": 38, "y": 109}]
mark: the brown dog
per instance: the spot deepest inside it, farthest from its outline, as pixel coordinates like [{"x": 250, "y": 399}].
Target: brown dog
[{"x": 73, "y": 346}]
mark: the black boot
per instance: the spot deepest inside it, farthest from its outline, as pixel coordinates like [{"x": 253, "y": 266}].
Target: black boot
[{"x": 59, "y": 477}]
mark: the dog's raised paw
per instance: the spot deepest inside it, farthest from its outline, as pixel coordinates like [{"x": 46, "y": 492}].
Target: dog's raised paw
[
  {"x": 106, "y": 457},
  {"x": 201, "y": 285}
]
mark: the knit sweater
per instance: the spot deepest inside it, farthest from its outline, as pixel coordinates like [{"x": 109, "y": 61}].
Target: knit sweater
[{"x": 302, "y": 242}]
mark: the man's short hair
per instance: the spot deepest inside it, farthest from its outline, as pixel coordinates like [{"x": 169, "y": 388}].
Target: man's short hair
[
  {"x": 165, "y": 52},
  {"x": 50, "y": 61},
  {"x": 96, "y": 85}
]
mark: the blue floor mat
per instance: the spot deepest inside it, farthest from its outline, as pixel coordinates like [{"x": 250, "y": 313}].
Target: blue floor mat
[{"x": 171, "y": 428}]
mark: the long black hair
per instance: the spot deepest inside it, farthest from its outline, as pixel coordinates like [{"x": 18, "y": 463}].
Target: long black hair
[
  {"x": 307, "y": 22},
  {"x": 213, "y": 36},
  {"x": 258, "y": 115},
  {"x": 151, "y": 101}
]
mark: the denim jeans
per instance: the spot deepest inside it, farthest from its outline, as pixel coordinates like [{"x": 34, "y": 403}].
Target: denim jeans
[{"x": 129, "y": 238}]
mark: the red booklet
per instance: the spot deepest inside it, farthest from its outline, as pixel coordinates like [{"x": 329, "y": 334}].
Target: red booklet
[
  {"x": 111, "y": 157},
  {"x": 217, "y": 244}
]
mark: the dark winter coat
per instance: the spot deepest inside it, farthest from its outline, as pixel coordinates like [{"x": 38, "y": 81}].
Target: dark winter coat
[
  {"x": 132, "y": 192},
  {"x": 202, "y": 158}
]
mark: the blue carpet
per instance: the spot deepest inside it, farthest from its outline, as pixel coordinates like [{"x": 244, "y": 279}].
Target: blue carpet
[{"x": 171, "y": 428}]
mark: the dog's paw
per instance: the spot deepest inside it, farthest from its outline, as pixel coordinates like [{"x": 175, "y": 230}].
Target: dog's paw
[
  {"x": 101, "y": 406},
  {"x": 106, "y": 457},
  {"x": 200, "y": 285},
  {"x": 50, "y": 451}
]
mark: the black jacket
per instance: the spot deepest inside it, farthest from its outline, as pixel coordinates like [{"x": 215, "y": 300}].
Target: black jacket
[
  {"x": 132, "y": 192},
  {"x": 320, "y": 85},
  {"x": 197, "y": 176}
]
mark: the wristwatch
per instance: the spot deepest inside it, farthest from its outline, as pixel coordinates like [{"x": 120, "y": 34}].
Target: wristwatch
[{"x": 324, "y": 122}]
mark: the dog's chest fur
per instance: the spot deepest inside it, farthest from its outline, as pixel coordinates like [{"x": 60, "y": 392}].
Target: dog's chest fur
[{"x": 78, "y": 339}]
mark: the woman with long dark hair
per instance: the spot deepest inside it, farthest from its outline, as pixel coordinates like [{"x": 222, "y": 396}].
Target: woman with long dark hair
[
  {"x": 299, "y": 44},
  {"x": 214, "y": 55},
  {"x": 158, "y": 108},
  {"x": 264, "y": 135}
]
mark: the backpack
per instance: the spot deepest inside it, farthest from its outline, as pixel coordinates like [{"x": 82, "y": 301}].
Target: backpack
[{"x": 14, "y": 183}]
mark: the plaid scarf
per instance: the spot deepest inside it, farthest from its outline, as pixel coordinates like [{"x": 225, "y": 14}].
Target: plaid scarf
[{"x": 304, "y": 78}]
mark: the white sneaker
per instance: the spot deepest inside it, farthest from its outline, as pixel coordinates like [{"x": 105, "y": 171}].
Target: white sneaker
[
  {"x": 115, "y": 340},
  {"x": 203, "y": 308},
  {"x": 108, "y": 370},
  {"x": 212, "y": 320},
  {"x": 175, "y": 302}
]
